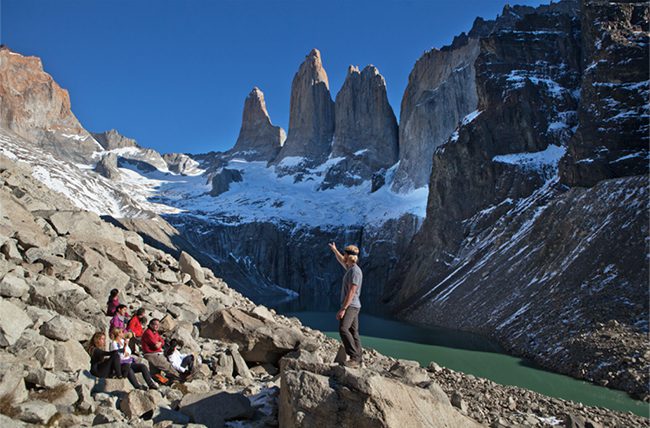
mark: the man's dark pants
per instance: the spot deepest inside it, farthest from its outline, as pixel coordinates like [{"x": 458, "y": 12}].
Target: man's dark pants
[{"x": 349, "y": 330}]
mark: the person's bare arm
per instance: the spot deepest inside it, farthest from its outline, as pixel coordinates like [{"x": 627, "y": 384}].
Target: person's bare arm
[
  {"x": 347, "y": 301},
  {"x": 339, "y": 257}
]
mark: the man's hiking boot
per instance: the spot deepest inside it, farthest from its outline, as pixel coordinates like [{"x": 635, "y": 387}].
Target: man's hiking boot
[{"x": 353, "y": 364}]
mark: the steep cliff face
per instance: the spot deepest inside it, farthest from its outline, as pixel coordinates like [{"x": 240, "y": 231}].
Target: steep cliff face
[
  {"x": 258, "y": 139},
  {"x": 612, "y": 137},
  {"x": 366, "y": 128},
  {"x": 527, "y": 81},
  {"x": 441, "y": 91},
  {"x": 35, "y": 107},
  {"x": 311, "y": 118},
  {"x": 505, "y": 249},
  {"x": 273, "y": 262}
]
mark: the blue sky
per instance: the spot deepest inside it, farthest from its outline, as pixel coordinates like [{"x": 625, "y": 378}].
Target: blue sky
[{"x": 174, "y": 74}]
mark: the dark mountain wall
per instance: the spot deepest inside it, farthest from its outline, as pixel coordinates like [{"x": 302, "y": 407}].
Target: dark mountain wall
[{"x": 555, "y": 273}]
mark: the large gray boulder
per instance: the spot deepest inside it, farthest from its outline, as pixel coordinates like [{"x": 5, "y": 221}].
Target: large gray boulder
[
  {"x": 18, "y": 223},
  {"x": 84, "y": 226},
  {"x": 13, "y": 322},
  {"x": 62, "y": 328},
  {"x": 124, "y": 258},
  {"x": 41, "y": 377},
  {"x": 321, "y": 395},
  {"x": 58, "y": 328},
  {"x": 311, "y": 116},
  {"x": 137, "y": 403},
  {"x": 13, "y": 285},
  {"x": 258, "y": 139},
  {"x": 189, "y": 265},
  {"x": 36, "y": 412},
  {"x": 60, "y": 267},
  {"x": 39, "y": 347},
  {"x": 214, "y": 410},
  {"x": 100, "y": 275},
  {"x": 68, "y": 299},
  {"x": 259, "y": 340},
  {"x": 70, "y": 356},
  {"x": 12, "y": 385}
]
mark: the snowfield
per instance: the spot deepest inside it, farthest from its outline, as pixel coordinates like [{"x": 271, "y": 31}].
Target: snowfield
[{"x": 265, "y": 195}]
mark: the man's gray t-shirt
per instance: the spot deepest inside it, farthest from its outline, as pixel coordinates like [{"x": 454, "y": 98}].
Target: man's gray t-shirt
[{"x": 352, "y": 276}]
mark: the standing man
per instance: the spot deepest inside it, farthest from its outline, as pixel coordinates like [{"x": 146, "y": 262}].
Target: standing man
[{"x": 348, "y": 315}]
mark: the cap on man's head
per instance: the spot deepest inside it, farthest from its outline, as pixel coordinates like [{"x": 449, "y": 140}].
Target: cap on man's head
[{"x": 351, "y": 250}]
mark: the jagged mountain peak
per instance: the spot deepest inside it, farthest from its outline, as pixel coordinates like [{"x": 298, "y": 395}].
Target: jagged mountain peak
[
  {"x": 311, "y": 116},
  {"x": 255, "y": 104},
  {"x": 368, "y": 70},
  {"x": 353, "y": 69},
  {"x": 365, "y": 129},
  {"x": 313, "y": 67},
  {"x": 258, "y": 138}
]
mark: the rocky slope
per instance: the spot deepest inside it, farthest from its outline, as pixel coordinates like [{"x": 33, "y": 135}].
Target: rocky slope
[{"x": 506, "y": 249}]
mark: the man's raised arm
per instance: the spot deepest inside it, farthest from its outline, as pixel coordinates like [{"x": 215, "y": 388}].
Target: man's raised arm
[{"x": 339, "y": 256}]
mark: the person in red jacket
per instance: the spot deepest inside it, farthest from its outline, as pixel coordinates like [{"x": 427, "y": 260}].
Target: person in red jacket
[
  {"x": 136, "y": 322},
  {"x": 152, "y": 347},
  {"x": 135, "y": 327}
]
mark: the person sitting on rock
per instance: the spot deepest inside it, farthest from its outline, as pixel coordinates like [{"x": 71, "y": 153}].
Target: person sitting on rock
[
  {"x": 135, "y": 326},
  {"x": 113, "y": 302},
  {"x": 136, "y": 323},
  {"x": 103, "y": 363},
  {"x": 152, "y": 347},
  {"x": 128, "y": 364},
  {"x": 183, "y": 363},
  {"x": 119, "y": 319}
]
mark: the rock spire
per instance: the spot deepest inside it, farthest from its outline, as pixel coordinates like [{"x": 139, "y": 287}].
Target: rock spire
[
  {"x": 258, "y": 138},
  {"x": 311, "y": 117},
  {"x": 365, "y": 119}
]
